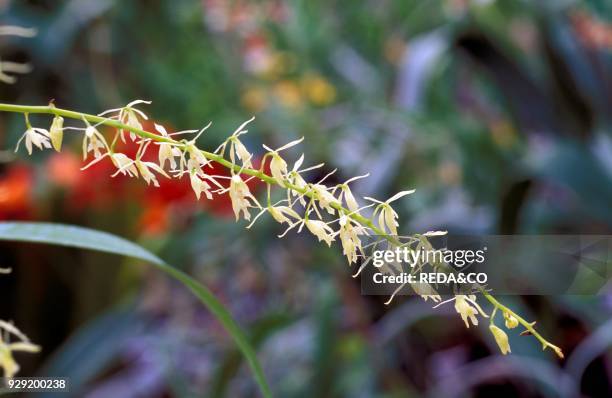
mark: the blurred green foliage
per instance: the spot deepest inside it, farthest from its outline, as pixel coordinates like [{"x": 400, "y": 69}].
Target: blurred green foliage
[{"x": 498, "y": 112}]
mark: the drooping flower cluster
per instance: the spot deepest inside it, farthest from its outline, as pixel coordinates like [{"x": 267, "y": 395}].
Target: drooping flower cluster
[
  {"x": 9, "y": 332},
  {"x": 328, "y": 212},
  {"x": 12, "y": 340}
]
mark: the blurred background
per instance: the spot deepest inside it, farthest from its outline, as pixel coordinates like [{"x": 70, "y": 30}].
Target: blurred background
[{"x": 497, "y": 112}]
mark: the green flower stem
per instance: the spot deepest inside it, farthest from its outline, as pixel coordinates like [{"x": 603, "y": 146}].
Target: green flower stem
[
  {"x": 528, "y": 325},
  {"x": 52, "y": 110}
]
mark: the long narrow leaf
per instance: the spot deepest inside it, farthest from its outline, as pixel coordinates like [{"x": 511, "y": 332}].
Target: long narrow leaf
[{"x": 84, "y": 238}]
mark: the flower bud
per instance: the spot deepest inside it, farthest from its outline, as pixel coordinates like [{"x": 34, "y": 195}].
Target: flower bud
[
  {"x": 501, "y": 338},
  {"x": 57, "y": 132},
  {"x": 511, "y": 321}
]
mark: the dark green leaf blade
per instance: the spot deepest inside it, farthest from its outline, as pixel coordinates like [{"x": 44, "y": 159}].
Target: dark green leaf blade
[{"x": 74, "y": 236}]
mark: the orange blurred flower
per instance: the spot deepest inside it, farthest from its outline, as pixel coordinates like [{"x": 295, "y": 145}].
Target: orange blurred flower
[
  {"x": 16, "y": 192},
  {"x": 155, "y": 218},
  {"x": 64, "y": 169}
]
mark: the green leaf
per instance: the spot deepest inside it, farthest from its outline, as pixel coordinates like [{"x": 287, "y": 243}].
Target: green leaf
[
  {"x": 73, "y": 236},
  {"x": 259, "y": 332},
  {"x": 66, "y": 235}
]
